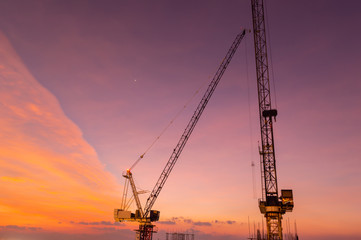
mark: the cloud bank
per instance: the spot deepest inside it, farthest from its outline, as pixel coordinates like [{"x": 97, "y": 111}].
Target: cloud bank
[{"x": 49, "y": 174}]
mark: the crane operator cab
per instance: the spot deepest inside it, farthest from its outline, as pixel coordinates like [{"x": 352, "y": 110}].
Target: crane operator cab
[
  {"x": 287, "y": 200},
  {"x": 283, "y": 204},
  {"x": 154, "y": 215}
]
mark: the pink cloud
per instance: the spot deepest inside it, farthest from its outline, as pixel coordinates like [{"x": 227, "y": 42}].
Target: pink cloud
[{"x": 49, "y": 173}]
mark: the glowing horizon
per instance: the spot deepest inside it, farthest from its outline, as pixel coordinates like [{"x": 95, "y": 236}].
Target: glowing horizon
[{"x": 86, "y": 88}]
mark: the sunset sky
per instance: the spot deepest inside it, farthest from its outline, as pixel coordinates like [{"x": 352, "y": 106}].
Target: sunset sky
[{"x": 86, "y": 87}]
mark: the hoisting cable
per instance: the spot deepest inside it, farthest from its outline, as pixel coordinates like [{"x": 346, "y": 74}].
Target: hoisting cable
[
  {"x": 250, "y": 123},
  {"x": 169, "y": 124}
]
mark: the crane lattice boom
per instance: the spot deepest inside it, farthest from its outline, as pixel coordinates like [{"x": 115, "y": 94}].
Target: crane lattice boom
[
  {"x": 192, "y": 123},
  {"x": 146, "y": 217}
]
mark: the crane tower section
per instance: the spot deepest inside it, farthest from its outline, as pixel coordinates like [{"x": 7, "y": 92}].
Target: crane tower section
[
  {"x": 271, "y": 205},
  {"x": 264, "y": 99}
]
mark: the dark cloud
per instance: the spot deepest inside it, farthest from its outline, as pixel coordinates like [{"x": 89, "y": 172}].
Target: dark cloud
[
  {"x": 174, "y": 221},
  {"x": 13, "y": 227},
  {"x": 225, "y": 222},
  {"x": 108, "y": 234},
  {"x": 202, "y": 223},
  {"x": 188, "y": 220},
  {"x": 108, "y": 223},
  {"x": 35, "y": 228},
  {"x": 16, "y": 227},
  {"x": 83, "y": 223},
  {"x": 105, "y": 223},
  {"x": 167, "y": 222}
]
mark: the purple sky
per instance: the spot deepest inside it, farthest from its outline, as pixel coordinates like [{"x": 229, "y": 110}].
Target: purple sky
[{"x": 121, "y": 70}]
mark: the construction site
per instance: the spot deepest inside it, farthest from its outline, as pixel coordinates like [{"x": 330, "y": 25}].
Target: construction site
[
  {"x": 180, "y": 120},
  {"x": 274, "y": 203}
]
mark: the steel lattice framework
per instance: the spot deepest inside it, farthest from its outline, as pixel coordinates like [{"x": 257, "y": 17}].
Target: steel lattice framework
[
  {"x": 270, "y": 204},
  {"x": 264, "y": 99},
  {"x": 192, "y": 123},
  {"x": 145, "y": 218},
  {"x": 145, "y": 232}
]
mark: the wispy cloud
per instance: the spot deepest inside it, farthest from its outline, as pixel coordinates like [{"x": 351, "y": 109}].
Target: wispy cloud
[
  {"x": 208, "y": 224},
  {"x": 106, "y": 223},
  {"x": 99, "y": 233},
  {"x": 230, "y": 222},
  {"x": 49, "y": 173},
  {"x": 167, "y": 222},
  {"x": 13, "y": 227},
  {"x": 21, "y": 228},
  {"x": 189, "y": 221}
]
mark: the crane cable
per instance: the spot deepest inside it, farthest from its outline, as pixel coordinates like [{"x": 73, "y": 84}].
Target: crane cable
[
  {"x": 250, "y": 122},
  {"x": 169, "y": 124}
]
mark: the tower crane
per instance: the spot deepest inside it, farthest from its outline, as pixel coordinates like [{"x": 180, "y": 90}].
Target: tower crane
[
  {"x": 271, "y": 205},
  {"x": 146, "y": 216}
]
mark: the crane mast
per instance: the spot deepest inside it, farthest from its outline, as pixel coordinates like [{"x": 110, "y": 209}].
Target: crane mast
[
  {"x": 270, "y": 205},
  {"x": 264, "y": 100},
  {"x": 146, "y": 217}
]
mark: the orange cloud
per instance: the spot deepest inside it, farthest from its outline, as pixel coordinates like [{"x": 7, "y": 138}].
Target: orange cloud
[{"x": 49, "y": 174}]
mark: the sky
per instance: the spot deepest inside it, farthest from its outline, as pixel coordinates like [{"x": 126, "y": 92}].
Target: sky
[{"x": 87, "y": 86}]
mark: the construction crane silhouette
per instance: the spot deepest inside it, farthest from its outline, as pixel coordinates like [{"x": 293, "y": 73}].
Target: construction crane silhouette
[
  {"x": 147, "y": 216},
  {"x": 271, "y": 205}
]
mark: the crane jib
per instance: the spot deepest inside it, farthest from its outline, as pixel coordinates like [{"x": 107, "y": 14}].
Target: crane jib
[{"x": 189, "y": 129}]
